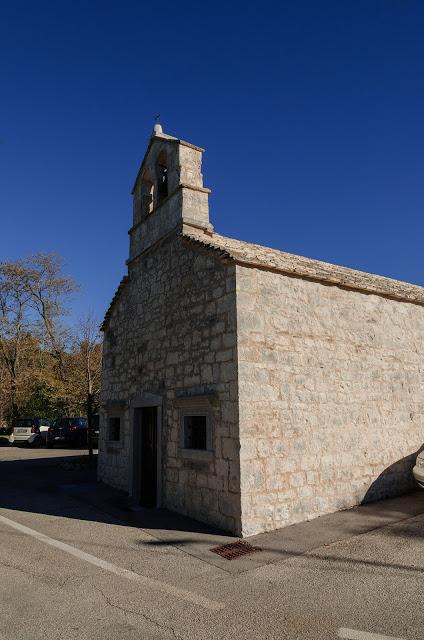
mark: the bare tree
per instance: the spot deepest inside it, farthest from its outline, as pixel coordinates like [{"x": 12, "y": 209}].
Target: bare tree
[
  {"x": 33, "y": 293},
  {"x": 47, "y": 290},
  {"x": 14, "y": 302},
  {"x": 42, "y": 362},
  {"x": 88, "y": 354}
]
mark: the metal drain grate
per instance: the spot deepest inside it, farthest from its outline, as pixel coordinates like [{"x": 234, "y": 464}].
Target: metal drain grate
[{"x": 234, "y": 550}]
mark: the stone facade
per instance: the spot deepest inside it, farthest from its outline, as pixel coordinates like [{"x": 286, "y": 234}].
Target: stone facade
[
  {"x": 331, "y": 396},
  {"x": 182, "y": 348},
  {"x": 310, "y": 375},
  {"x": 171, "y": 334}
]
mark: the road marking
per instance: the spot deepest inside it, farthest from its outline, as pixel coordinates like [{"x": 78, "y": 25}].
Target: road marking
[
  {"x": 352, "y": 634},
  {"x": 177, "y": 592}
]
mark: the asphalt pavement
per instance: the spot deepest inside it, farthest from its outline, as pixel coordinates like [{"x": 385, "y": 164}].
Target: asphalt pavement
[{"x": 76, "y": 563}]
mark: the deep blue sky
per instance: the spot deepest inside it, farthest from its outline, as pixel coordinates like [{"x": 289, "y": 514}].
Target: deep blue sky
[{"x": 312, "y": 114}]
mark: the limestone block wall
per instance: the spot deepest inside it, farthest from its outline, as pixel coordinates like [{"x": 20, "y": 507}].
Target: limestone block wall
[
  {"x": 190, "y": 163},
  {"x": 156, "y": 226},
  {"x": 187, "y": 199},
  {"x": 172, "y": 333},
  {"x": 331, "y": 397}
]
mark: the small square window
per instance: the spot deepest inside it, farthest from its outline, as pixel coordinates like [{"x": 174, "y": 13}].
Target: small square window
[
  {"x": 195, "y": 432},
  {"x": 114, "y": 429}
]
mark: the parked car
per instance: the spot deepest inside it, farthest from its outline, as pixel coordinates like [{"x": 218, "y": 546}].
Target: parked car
[
  {"x": 418, "y": 470},
  {"x": 95, "y": 431},
  {"x": 5, "y": 434},
  {"x": 44, "y": 425},
  {"x": 30, "y": 431},
  {"x": 68, "y": 431}
]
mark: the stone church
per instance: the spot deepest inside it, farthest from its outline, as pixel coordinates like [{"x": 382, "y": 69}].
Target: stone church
[{"x": 246, "y": 387}]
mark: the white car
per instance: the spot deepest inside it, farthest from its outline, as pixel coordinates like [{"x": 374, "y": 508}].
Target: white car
[
  {"x": 31, "y": 431},
  {"x": 418, "y": 470}
]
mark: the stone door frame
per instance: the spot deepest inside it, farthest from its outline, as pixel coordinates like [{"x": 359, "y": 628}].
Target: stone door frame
[{"x": 145, "y": 400}]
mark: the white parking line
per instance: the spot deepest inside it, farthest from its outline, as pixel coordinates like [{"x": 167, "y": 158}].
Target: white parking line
[
  {"x": 176, "y": 592},
  {"x": 352, "y": 634}
]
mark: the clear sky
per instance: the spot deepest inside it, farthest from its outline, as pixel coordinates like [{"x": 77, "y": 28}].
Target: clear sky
[{"x": 311, "y": 112}]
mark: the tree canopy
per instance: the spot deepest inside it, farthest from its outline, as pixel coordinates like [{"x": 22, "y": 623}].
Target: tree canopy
[{"x": 47, "y": 368}]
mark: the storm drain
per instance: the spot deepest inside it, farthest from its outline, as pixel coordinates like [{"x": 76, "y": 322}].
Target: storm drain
[{"x": 234, "y": 550}]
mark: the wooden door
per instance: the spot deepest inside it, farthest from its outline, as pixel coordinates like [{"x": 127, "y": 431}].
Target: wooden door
[{"x": 148, "y": 467}]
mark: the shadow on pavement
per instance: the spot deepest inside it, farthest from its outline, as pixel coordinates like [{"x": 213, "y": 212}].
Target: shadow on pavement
[
  {"x": 38, "y": 485},
  {"x": 66, "y": 486}
]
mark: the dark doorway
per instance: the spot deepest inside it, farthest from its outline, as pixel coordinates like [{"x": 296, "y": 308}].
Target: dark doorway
[{"x": 146, "y": 420}]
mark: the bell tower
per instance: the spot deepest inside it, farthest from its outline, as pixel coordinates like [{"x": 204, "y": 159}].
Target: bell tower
[{"x": 168, "y": 191}]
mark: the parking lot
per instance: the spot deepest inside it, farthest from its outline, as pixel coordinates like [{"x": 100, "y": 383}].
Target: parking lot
[
  {"x": 76, "y": 563},
  {"x": 22, "y": 452}
]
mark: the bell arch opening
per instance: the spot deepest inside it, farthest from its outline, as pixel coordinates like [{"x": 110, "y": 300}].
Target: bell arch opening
[
  {"x": 162, "y": 177},
  {"x": 147, "y": 188}
]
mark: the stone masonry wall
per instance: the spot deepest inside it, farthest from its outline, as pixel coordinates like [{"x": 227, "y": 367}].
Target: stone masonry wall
[
  {"x": 172, "y": 333},
  {"x": 331, "y": 397}
]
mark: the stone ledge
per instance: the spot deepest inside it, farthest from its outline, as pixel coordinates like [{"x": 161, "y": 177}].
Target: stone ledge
[
  {"x": 180, "y": 187},
  {"x": 196, "y": 454},
  {"x": 112, "y": 448},
  {"x": 207, "y": 399}
]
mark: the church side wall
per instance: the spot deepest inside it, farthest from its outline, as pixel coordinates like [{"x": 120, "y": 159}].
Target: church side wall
[
  {"x": 331, "y": 397},
  {"x": 173, "y": 334}
]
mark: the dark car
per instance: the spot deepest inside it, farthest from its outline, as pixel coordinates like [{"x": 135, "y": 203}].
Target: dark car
[
  {"x": 95, "y": 431},
  {"x": 68, "y": 431}
]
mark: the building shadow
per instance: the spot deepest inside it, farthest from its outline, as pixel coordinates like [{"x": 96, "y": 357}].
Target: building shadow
[
  {"x": 395, "y": 480},
  {"x": 66, "y": 486}
]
